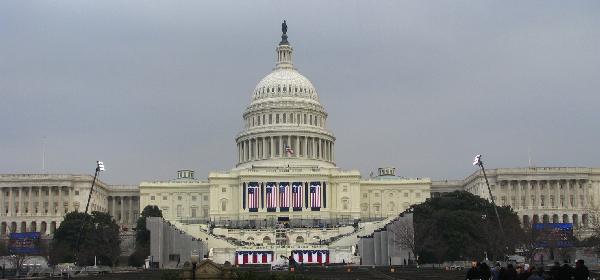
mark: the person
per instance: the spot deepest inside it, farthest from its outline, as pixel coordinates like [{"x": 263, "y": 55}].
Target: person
[
  {"x": 524, "y": 272},
  {"x": 555, "y": 271},
  {"x": 511, "y": 272},
  {"x": 484, "y": 271},
  {"x": 537, "y": 274},
  {"x": 566, "y": 272},
  {"x": 474, "y": 272},
  {"x": 496, "y": 272},
  {"x": 581, "y": 272}
]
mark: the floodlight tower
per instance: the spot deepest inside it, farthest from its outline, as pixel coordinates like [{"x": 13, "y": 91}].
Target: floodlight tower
[
  {"x": 99, "y": 167},
  {"x": 480, "y": 164}
]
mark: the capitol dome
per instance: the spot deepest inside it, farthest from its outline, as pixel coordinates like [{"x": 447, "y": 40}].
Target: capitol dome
[
  {"x": 285, "y": 125},
  {"x": 285, "y": 83}
]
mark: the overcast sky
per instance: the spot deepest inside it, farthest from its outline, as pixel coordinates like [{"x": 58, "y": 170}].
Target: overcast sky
[{"x": 152, "y": 87}]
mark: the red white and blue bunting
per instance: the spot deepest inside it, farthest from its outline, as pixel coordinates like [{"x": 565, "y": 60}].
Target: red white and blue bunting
[
  {"x": 311, "y": 256},
  {"x": 253, "y": 257}
]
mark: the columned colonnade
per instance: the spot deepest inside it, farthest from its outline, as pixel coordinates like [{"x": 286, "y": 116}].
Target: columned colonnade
[
  {"x": 547, "y": 197},
  {"x": 259, "y": 148},
  {"x": 124, "y": 209}
]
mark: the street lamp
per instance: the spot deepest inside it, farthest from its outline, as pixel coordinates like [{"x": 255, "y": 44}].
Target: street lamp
[
  {"x": 480, "y": 164},
  {"x": 95, "y": 225},
  {"x": 194, "y": 258},
  {"x": 99, "y": 167}
]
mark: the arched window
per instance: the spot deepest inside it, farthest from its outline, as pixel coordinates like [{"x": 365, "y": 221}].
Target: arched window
[
  {"x": 299, "y": 240},
  {"x": 267, "y": 240}
]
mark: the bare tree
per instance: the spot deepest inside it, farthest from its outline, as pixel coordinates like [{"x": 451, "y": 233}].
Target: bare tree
[
  {"x": 423, "y": 237},
  {"x": 16, "y": 258}
]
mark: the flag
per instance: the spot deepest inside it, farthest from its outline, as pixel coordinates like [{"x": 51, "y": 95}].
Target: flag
[
  {"x": 288, "y": 149},
  {"x": 284, "y": 195},
  {"x": 253, "y": 195},
  {"x": 271, "y": 195},
  {"x": 297, "y": 195},
  {"x": 315, "y": 195}
]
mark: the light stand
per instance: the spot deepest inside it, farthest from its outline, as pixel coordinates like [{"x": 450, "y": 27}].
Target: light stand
[
  {"x": 194, "y": 258},
  {"x": 480, "y": 164},
  {"x": 99, "y": 167}
]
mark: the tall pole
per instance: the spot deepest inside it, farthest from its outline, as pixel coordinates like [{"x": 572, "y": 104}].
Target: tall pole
[
  {"x": 99, "y": 167},
  {"x": 480, "y": 164}
]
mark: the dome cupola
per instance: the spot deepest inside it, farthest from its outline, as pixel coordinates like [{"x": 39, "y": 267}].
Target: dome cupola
[{"x": 285, "y": 125}]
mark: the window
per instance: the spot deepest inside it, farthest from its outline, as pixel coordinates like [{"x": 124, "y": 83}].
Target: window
[
  {"x": 179, "y": 210},
  {"x": 206, "y": 198},
  {"x": 76, "y": 192},
  {"x": 152, "y": 197},
  {"x": 364, "y": 195},
  {"x": 193, "y": 198},
  {"x": 405, "y": 194},
  {"x": 224, "y": 206},
  {"x": 179, "y": 198},
  {"x": 376, "y": 194},
  {"x": 345, "y": 189},
  {"x": 376, "y": 208},
  {"x": 418, "y": 195},
  {"x": 194, "y": 212},
  {"x": 164, "y": 198},
  {"x": 223, "y": 189}
]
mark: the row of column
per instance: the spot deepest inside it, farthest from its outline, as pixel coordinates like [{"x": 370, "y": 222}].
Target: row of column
[
  {"x": 576, "y": 220},
  {"x": 572, "y": 194},
  {"x": 122, "y": 213},
  {"x": 21, "y": 201},
  {"x": 275, "y": 147}
]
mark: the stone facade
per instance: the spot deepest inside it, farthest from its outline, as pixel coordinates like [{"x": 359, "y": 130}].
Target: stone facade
[{"x": 38, "y": 202}]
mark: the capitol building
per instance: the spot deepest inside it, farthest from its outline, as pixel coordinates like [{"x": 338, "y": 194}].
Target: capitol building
[{"x": 286, "y": 195}]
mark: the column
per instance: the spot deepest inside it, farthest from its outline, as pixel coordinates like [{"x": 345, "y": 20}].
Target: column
[
  {"x": 114, "y": 209},
  {"x": 21, "y": 208},
  {"x": 40, "y": 201},
  {"x": 305, "y": 155},
  {"x": 297, "y": 146},
  {"x": 30, "y": 202},
  {"x": 577, "y": 201},
  {"x": 332, "y": 152},
  {"x": 60, "y": 200},
  {"x": 289, "y": 143},
  {"x": 314, "y": 148},
  {"x": 272, "y": 150},
  {"x": 122, "y": 210},
  {"x": 131, "y": 220},
  {"x": 11, "y": 202},
  {"x": 50, "y": 201},
  {"x": 264, "y": 145},
  {"x": 70, "y": 198},
  {"x": 2, "y": 198}
]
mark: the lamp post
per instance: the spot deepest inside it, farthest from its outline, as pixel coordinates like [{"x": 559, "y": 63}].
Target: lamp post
[
  {"x": 95, "y": 225},
  {"x": 194, "y": 258},
  {"x": 480, "y": 164},
  {"x": 99, "y": 167}
]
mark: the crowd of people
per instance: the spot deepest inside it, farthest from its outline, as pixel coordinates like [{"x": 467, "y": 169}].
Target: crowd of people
[{"x": 481, "y": 271}]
